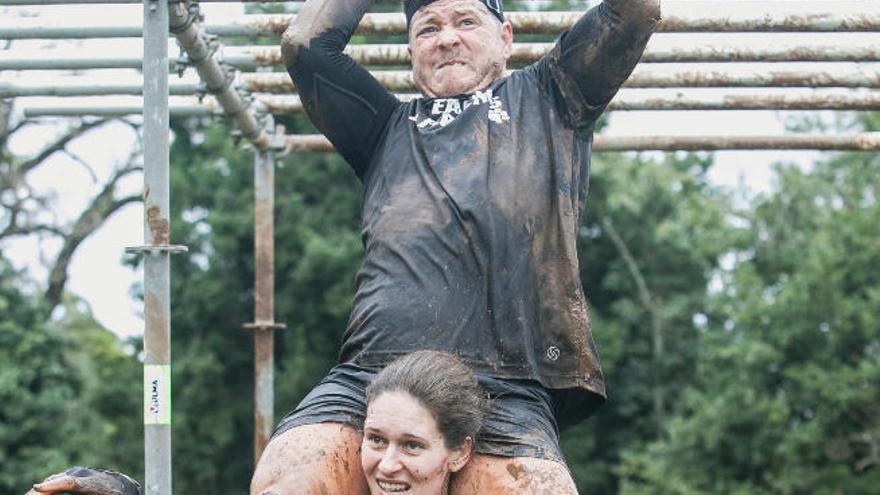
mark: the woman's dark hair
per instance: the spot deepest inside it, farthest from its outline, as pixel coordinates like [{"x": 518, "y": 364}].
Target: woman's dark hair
[{"x": 441, "y": 383}]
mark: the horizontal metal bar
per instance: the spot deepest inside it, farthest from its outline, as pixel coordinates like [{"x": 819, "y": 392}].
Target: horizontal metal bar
[
  {"x": 632, "y": 101},
  {"x": 822, "y": 99},
  {"x": 626, "y": 100},
  {"x": 50, "y": 60},
  {"x": 260, "y": 56},
  {"x": 250, "y": 57},
  {"x": 645, "y": 76},
  {"x": 8, "y": 90},
  {"x": 851, "y": 16},
  {"x": 117, "y": 111},
  {"x": 869, "y": 141},
  {"x": 651, "y": 76}
]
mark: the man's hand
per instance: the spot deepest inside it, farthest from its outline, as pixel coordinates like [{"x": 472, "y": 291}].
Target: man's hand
[{"x": 87, "y": 481}]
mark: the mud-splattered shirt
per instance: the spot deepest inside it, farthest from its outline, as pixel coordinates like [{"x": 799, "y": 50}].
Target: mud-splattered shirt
[{"x": 471, "y": 204}]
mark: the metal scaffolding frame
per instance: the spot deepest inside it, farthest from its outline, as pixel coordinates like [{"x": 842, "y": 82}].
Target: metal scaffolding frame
[{"x": 250, "y": 100}]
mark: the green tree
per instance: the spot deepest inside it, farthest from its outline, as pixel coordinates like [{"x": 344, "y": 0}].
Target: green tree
[
  {"x": 651, "y": 239},
  {"x": 785, "y": 396},
  {"x": 65, "y": 389},
  {"x": 36, "y": 391}
]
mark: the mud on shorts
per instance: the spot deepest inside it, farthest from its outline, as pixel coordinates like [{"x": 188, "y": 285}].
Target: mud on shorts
[{"x": 520, "y": 422}]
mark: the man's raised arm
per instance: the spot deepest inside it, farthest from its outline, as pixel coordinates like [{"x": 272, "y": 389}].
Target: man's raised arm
[
  {"x": 343, "y": 100},
  {"x": 600, "y": 52}
]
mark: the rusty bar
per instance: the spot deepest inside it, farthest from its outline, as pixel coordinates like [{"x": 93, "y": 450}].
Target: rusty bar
[
  {"x": 651, "y": 76},
  {"x": 157, "y": 266},
  {"x": 645, "y": 76},
  {"x": 631, "y": 100},
  {"x": 187, "y": 29},
  {"x": 677, "y": 18},
  {"x": 852, "y": 16},
  {"x": 250, "y": 57},
  {"x": 524, "y": 53},
  {"x": 813, "y": 100},
  {"x": 626, "y": 100},
  {"x": 869, "y": 141},
  {"x": 264, "y": 298},
  {"x": 770, "y": 53}
]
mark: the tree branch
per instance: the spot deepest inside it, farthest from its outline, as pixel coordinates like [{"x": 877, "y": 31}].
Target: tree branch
[
  {"x": 649, "y": 303},
  {"x": 73, "y": 156},
  {"x": 101, "y": 208},
  {"x": 90, "y": 220},
  {"x": 15, "y": 230},
  {"x": 5, "y": 116},
  {"x": 58, "y": 145}
]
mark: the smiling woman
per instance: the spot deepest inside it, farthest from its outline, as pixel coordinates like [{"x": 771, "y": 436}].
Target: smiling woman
[{"x": 423, "y": 413}]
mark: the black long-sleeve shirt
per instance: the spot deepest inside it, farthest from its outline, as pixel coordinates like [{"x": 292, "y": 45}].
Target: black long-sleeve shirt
[{"x": 472, "y": 203}]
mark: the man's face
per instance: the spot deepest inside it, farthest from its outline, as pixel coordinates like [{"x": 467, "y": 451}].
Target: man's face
[{"x": 457, "y": 46}]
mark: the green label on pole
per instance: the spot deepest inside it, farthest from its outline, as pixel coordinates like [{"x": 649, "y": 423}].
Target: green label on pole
[{"x": 157, "y": 394}]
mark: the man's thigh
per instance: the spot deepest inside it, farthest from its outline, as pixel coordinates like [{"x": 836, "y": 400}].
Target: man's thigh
[
  {"x": 319, "y": 459},
  {"x": 495, "y": 475}
]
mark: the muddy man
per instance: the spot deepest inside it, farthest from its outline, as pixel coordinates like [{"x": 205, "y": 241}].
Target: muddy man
[{"x": 472, "y": 200}]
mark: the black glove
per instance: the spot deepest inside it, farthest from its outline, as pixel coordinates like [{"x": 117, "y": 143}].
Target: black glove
[{"x": 89, "y": 481}]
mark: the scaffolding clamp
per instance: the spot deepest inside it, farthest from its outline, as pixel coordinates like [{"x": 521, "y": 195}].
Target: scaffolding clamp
[
  {"x": 156, "y": 249},
  {"x": 264, "y": 325},
  {"x": 193, "y": 14}
]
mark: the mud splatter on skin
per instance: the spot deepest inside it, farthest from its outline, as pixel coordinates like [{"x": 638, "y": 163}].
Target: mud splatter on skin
[
  {"x": 314, "y": 459},
  {"x": 491, "y": 475},
  {"x": 516, "y": 471}
]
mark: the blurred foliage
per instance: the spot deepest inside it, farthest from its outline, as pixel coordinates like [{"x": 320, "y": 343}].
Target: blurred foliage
[
  {"x": 785, "y": 394},
  {"x": 69, "y": 393}
]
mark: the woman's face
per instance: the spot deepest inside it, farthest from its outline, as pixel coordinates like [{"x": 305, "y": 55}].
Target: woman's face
[{"x": 403, "y": 450}]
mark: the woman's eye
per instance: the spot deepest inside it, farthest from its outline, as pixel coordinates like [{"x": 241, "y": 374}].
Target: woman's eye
[
  {"x": 467, "y": 21},
  {"x": 413, "y": 446},
  {"x": 376, "y": 440}
]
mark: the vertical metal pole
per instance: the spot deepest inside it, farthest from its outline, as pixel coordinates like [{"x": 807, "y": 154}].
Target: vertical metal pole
[
  {"x": 157, "y": 332},
  {"x": 264, "y": 298}
]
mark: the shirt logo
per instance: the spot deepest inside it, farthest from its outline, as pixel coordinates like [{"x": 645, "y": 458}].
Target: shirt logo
[{"x": 444, "y": 110}]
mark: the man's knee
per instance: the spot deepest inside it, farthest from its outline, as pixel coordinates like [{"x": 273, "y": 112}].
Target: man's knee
[
  {"x": 494, "y": 475},
  {"x": 313, "y": 459}
]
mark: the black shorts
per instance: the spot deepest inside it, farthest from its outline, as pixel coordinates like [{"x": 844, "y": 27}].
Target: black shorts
[{"x": 520, "y": 422}]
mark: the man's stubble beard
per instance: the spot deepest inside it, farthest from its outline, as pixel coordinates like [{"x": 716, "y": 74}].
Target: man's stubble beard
[{"x": 450, "y": 85}]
